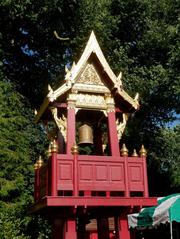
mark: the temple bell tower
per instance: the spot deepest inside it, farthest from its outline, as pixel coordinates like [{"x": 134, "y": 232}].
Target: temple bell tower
[{"x": 89, "y": 183}]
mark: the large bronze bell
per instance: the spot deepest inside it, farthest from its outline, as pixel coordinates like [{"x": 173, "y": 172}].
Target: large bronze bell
[{"x": 85, "y": 134}]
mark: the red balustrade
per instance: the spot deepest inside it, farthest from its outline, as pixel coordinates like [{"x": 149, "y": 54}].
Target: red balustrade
[{"x": 84, "y": 175}]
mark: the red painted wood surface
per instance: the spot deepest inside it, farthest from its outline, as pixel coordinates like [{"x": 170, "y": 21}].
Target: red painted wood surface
[
  {"x": 88, "y": 174},
  {"x": 93, "y": 235},
  {"x": 75, "y": 176},
  {"x": 43, "y": 181},
  {"x": 70, "y": 129},
  {"x": 54, "y": 170},
  {"x": 146, "y": 190},
  {"x": 124, "y": 232},
  {"x": 114, "y": 144},
  {"x": 70, "y": 230},
  {"x": 69, "y": 201}
]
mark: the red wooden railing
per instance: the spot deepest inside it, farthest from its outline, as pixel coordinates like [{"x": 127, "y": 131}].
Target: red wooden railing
[{"x": 83, "y": 175}]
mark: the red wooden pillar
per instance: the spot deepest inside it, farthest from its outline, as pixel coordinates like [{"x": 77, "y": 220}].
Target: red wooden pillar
[
  {"x": 71, "y": 229},
  {"x": 93, "y": 235},
  {"x": 123, "y": 231},
  {"x": 54, "y": 150},
  {"x": 58, "y": 229},
  {"x": 113, "y": 138},
  {"x": 71, "y": 129}
]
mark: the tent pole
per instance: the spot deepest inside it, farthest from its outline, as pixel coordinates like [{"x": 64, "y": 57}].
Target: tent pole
[{"x": 171, "y": 231}]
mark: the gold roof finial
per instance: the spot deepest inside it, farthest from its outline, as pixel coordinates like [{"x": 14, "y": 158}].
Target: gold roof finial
[
  {"x": 49, "y": 88},
  {"x": 40, "y": 161},
  {"x": 134, "y": 154},
  {"x": 54, "y": 147},
  {"x": 36, "y": 165},
  {"x": 124, "y": 150},
  {"x": 49, "y": 153},
  {"x": 75, "y": 149},
  {"x": 142, "y": 151}
]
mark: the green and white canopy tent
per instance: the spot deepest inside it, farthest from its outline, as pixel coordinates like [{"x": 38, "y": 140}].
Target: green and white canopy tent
[{"x": 167, "y": 210}]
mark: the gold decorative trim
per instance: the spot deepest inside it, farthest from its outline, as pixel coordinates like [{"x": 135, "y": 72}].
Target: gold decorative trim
[
  {"x": 122, "y": 125},
  {"x": 90, "y": 76},
  {"x": 54, "y": 146},
  {"x": 124, "y": 151},
  {"x": 75, "y": 149},
  {"x": 40, "y": 162},
  {"x": 134, "y": 154},
  {"x": 72, "y": 101},
  {"x": 61, "y": 122},
  {"x": 128, "y": 98},
  {"x": 101, "y": 89},
  {"x": 42, "y": 109},
  {"x": 110, "y": 103},
  {"x": 118, "y": 82},
  {"x": 82, "y": 100},
  {"x": 91, "y": 101},
  {"x": 142, "y": 152},
  {"x": 84, "y": 73}
]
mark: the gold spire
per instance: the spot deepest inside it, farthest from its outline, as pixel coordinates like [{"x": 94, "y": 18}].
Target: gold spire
[
  {"x": 134, "y": 154},
  {"x": 40, "y": 162},
  {"x": 54, "y": 147},
  {"x": 75, "y": 149},
  {"x": 142, "y": 151},
  {"x": 124, "y": 150}
]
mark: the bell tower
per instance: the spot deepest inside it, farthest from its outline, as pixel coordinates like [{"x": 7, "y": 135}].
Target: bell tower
[{"x": 88, "y": 183}]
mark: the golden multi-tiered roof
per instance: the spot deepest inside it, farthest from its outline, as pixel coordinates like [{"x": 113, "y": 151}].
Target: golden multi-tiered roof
[{"x": 90, "y": 84}]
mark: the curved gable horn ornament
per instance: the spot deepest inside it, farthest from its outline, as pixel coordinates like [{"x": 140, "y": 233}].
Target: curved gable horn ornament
[
  {"x": 122, "y": 125},
  {"x": 61, "y": 122}
]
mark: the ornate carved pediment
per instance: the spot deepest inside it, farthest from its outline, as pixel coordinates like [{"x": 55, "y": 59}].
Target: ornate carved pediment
[
  {"x": 90, "y": 76},
  {"x": 91, "y": 101},
  {"x": 95, "y": 101}
]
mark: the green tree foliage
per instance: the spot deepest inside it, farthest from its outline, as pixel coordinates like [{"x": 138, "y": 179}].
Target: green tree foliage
[
  {"x": 31, "y": 52},
  {"x": 141, "y": 39},
  {"x": 164, "y": 161},
  {"x": 148, "y": 32},
  {"x": 20, "y": 144}
]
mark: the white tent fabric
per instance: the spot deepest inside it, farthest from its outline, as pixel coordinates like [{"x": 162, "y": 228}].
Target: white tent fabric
[{"x": 153, "y": 216}]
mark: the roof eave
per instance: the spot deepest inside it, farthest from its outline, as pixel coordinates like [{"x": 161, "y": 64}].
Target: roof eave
[{"x": 42, "y": 109}]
